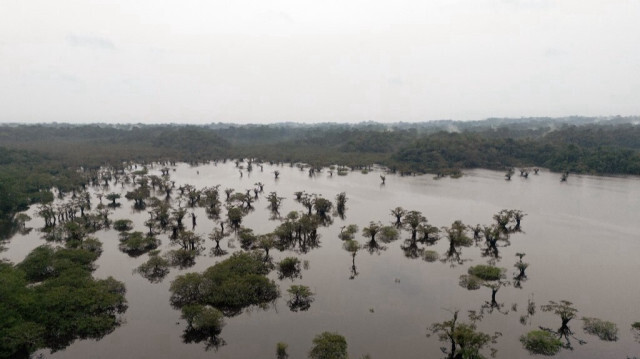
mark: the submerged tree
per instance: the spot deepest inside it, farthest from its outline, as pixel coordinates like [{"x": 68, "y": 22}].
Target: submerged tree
[
  {"x": 465, "y": 341},
  {"x": 51, "y": 299},
  {"x": 352, "y": 246},
  {"x": 520, "y": 276},
  {"x": 204, "y": 324},
  {"x": 137, "y": 243},
  {"x": 348, "y": 232},
  {"x": 372, "y": 230},
  {"x": 322, "y": 206},
  {"x": 398, "y": 213},
  {"x": 266, "y": 242},
  {"x": 281, "y": 350},
  {"x": 189, "y": 241},
  {"x": 181, "y": 258},
  {"x": 486, "y": 276},
  {"x": 329, "y": 346},
  {"x": 565, "y": 310},
  {"x": 274, "y": 202},
  {"x": 234, "y": 216},
  {"x": 113, "y": 197},
  {"x": 494, "y": 238},
  {"x": 457, "y": 237},
  {"x": 301, "y": 298},
  {"x": 341, "y": 204},
  {"x": 154, "y": 269},
  {"x": 412, "y": 221},
  {"x": 289, "y": 267},
  {"x": 217, "y": 235},
  {"x": 230, "y": 285},
  {"x": 123, "y": 225},
  {"x": 385, "y": 234},
  {"x": 138, "y": 195}
]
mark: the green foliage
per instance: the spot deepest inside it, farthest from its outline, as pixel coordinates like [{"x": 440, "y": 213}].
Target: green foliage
[
  {"x": 234, "y": 215},
  {"x": 351, "y": 246},
  {"x": 470, "y": 282},
  {"x": 457, "y": 235},
  {"x": 229, "y": 286},
  {"x": 564, "y": 309},
  {"x": 203, "y": 318},
  {"x": 348, "y": 232},
  {"x": 322, "y": 206},
  {"x": 300, "y": 298},
  {"x": 45, "y": 262},
  {"x": 329, "y": 346},
  {"x": 154, "y": 269},
  {"x": 541, "y": 342},
  {"x": 137, "y": 243},
  {"x": 113, "y": 197},
  {"x": 388, "y": 234},
  {"x": 66, "y": 305},
  {"x": 281, "y": 350},
  {"x": 372, "y": 230},
  {"x": 605, "y": 330},
  {"x": 289, "y": 267},
  {"x": 486, "y": 272},
  {"x": 181, "y": 258},
  {"x": 464, "y": 338},
  {"x": 247, "y": 238}
]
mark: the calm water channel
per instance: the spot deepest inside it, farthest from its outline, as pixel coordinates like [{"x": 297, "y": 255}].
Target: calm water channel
[{"x": 581, "y": 239}]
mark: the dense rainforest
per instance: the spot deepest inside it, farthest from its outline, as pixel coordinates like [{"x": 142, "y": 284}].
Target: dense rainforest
[{"x": 34, "y": 158}]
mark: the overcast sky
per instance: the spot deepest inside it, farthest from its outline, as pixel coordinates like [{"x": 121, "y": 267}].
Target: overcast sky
[{"x": 245, "y": 61}]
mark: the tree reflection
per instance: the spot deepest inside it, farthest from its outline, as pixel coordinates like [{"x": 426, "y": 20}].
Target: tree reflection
[
  {"x": 520, "y": 276},
  {"x": 181, "y": 258},
  {"x": 565, "y": 310},
  {"x": 490, "y": 277},
  {"x": 457, "y": 236},
  {"x": 289, "y": 268},
  {"x": 464, "y": 340},
  {"x": 352, "y": 246},
  {"x": 154, "y": 269},
  {"x": 204, "y": 325},
  {"x": 300, "y": 299},
  {"x": 385, "y": 234}
]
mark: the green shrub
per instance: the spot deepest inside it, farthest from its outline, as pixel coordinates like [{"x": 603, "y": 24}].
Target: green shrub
[
  {"x": 289, "y": 268},
  {"x": 229, "y": 286},
  {"x": 329, "y": 346},
  {"x": 470, "y": 282},
  {"x": 123, "y": 225},
  {"x": 607, "y": 331},
  {"x": 541, "y": 342},
  {"x": 486, "y": 272}
]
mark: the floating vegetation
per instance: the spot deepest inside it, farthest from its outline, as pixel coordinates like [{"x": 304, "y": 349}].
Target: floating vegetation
[
  {"x": 605, "y": 330},
  {"x": 541, "y": 342}
]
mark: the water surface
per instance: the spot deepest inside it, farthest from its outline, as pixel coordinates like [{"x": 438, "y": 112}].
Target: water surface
[{"x": 581, "y": 239}]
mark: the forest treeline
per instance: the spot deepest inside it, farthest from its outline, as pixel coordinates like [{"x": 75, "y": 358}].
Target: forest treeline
[{"x": 34, "y": 158}]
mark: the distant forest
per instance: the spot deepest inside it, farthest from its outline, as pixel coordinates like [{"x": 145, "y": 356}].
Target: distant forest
[{"x": 34, "y": 158}]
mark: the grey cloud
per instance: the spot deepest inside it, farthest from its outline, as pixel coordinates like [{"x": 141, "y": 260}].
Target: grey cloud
[
  {"x": 286, "y": 17},
  {"x": 91, "y": 41},
  {"x": 396, "y": 81}
]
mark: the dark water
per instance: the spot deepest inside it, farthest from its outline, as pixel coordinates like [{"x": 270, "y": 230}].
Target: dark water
[{"x": 581, "y": 238}]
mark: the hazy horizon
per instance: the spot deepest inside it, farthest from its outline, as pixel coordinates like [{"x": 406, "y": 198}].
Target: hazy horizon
[{"x": 198, "y": 62}]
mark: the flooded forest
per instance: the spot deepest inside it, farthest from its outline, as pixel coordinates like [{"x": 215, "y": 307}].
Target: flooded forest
[{"x": 498, "y": 238}]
